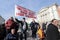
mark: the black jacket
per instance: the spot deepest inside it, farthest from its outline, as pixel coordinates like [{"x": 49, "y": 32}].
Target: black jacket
[
  {"x": 22, "y": 25},
  {"x": 52, "y": 32},
  {"x": 34, "y": 26}
]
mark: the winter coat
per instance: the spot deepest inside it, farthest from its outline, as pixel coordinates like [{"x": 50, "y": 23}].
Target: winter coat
[
  {"x": 34, "y": 26},
  {"x": 22, "y": 23},
  {"x": 52, "y": 32}
]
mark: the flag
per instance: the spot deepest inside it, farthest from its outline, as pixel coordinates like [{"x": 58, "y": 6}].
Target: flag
[
  {"x": 31, "y": 14},
  {"x": 21, "y": 11}
]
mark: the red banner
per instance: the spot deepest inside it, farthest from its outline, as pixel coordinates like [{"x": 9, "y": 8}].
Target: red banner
[{"x": 21, "y": 11}]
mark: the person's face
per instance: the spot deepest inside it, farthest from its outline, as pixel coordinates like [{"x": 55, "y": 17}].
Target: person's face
[
  {"x": 58, "y": 22},
  {"x": 33, "y": 20},
  {"x": 13, "y": 31},
  {"x": 55, "y": 22}
]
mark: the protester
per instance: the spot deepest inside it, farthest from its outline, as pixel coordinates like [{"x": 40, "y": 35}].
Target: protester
[
  {"x": 52, "y": 32},
  {"x": 12, "y": 35},
  {"x": 10, "y": 23},
  {"x": 44, "y": 26},
  {"x": 40, "y": 34},
  {"x": 24, "y": 27},
  {"x": 34, "y": 27}
]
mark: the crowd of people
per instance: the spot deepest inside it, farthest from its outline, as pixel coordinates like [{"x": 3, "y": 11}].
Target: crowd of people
[{"x": 9, "y": 30}]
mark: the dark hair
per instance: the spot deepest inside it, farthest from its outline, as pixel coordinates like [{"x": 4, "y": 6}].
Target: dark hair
[
  {"x": 24, "y": 18},
  {"x": 53, "y": 20}
]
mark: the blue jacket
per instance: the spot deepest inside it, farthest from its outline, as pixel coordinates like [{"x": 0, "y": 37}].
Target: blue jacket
[{"x": 11, "y": 37}]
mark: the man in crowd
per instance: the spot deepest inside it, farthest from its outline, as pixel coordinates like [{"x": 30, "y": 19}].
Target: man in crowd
[
  {"x": 34, "y": 27},
  {"x": 9, "y": 24},
  {"x": 24, "y": 27},
  {"x": 12, "y": 35},
  {"x": 44, "y": 26},
  {"x": 52, "y": 32}
]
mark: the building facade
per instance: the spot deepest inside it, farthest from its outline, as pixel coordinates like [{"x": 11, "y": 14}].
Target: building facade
[
  {"x": 48, "y": 13},
  {"x": 2, "y": 20}
]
